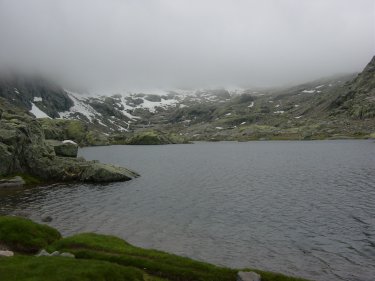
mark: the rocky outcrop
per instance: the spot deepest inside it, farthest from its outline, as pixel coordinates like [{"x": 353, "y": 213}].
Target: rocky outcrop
[
  {"x": 358, "y": 98},
  {"x": 24, "y": 150}
]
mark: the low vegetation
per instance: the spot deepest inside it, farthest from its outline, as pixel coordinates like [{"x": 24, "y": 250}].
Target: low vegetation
[
  {"x": 25, "y": 236},
  {"x": 60, "y": 268},
  {"x": 98, "y": 257}
]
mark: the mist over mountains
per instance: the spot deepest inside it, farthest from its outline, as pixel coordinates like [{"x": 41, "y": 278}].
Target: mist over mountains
[{"x": 108, "y": 45}]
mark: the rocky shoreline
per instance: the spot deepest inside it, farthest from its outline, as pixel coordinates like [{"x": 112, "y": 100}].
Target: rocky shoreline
[{"x": 24, "y": 150}]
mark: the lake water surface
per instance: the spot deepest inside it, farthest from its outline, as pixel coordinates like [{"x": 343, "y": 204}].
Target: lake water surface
[{"x": 300, "y": 208}]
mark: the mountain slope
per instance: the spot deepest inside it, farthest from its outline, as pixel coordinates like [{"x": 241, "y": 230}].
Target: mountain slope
[
  {"x": 330, "y": 107},
  {"x": 358, "y": 99}
]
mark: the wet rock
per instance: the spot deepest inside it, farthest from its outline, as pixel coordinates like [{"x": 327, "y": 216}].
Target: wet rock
[
  {"x": 12, "y": 182},
  {"x": 248, "y": 276},
  {"x": 98, "y": 172},
  {"x": 6, "y": 254},
  {"x": 47, "y": 219}
]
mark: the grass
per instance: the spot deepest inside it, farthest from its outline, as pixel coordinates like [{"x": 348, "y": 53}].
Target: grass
[
  {"x": 99, "y": 257},
  {"x": 155, "y": 263},
  {"x": 27, "y": 268},
  {"x": 24, "y": 235}
]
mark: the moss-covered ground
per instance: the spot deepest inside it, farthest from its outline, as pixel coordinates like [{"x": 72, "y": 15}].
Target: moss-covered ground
[{"x": 102, "y": 257}]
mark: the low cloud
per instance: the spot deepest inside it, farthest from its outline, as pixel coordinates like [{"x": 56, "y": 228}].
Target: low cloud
[{"x": 170, "y": 43}]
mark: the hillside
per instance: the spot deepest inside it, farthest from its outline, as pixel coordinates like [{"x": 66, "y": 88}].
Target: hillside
[{"x": 333, "y": 107}]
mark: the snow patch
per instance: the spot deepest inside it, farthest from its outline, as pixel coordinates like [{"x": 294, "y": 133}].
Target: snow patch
[
  {"x": 308, "y": 91},
  {"x": 279, "y": 112},
  {"x": 38, "y": 99},
  {"x": 70, "y": 141},
  {"x": 251, "y": 104},
  {"x": 219, "y": 128},
  {"x": 37, "y": 112},
  {"x": 80, "y": 106}
]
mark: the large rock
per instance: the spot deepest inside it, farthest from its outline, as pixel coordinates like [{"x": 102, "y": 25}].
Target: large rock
[
  {"x": 64, "y": 148},
  {"x": 98, "y": 172},
  {"x": 24, "y": 150}
]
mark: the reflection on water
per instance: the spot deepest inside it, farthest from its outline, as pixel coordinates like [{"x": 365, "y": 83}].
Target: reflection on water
[{"x": 301, "y": 208}]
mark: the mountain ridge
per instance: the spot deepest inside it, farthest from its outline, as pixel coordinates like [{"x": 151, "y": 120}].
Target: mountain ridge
[{"x": 324, "y": 108}]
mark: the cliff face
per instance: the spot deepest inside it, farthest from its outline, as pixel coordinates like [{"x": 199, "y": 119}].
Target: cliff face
[{"x": 23, "y": 149}]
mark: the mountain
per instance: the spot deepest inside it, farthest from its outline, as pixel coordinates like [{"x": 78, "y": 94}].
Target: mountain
[
  {"x": 358, "y": 98},
  {"x": 332, "y": 107}
]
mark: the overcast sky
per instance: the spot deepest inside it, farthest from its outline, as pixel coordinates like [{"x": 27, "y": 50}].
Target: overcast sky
[{"x": 169, "y": 43}]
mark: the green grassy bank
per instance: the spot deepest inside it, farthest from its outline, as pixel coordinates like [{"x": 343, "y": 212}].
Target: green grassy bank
[{"x": 98, "y": 257}]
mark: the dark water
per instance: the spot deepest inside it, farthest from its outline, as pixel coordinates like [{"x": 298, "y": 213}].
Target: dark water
[{"x": 301, "y": 208}]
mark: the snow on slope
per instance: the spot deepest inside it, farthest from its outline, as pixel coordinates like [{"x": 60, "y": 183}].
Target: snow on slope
[
  {"x": 37, "y": 112},
  {"x": 80, "y": 106}
]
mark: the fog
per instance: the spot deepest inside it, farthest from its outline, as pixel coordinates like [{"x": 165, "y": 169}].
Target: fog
[{"x": 186, "y": 43}]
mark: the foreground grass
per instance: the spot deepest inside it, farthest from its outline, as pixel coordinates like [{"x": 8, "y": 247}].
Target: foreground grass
[
  {"x": 99, "y": 257},
  {"x": 156, "y": 263},
  {"x": 60, "y": 269},
  {"x": 25, "y": 236}
]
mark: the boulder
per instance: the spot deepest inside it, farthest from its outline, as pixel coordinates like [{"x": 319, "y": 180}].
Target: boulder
[
  {"x": 248, "y": 276},
  {"x": 65, "y": 148},
  {"x": 98, "y": 172}
]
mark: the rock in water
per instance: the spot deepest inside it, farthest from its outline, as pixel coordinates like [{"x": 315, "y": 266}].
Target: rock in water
[
  {"x": 98, "y": 172},
  {"x": 248, "y": 276},
  {"x": 6, "y": 254},
  {"x": 47, "y": 219}
]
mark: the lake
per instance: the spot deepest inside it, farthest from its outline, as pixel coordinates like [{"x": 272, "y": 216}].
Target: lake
[{"x": 301, "y": 208}]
